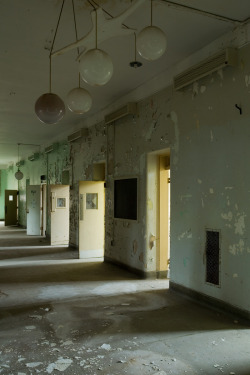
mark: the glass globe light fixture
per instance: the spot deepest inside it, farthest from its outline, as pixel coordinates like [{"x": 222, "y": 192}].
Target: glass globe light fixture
[
  {"x": 151, "y": 43},
  {"x": 49, "y": 108},
  {"x": 79, "y": 100},
  {"x": 96, "y": 67},
  {"x": 19, "y": 175}
]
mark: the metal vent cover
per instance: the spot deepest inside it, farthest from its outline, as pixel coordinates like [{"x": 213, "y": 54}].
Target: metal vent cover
[
  {"x": 128, "y": 109},
  {"x": 227, "y": 57},
  {"x": 213, "y": 257},
  {"x": 78, "y": 134}
]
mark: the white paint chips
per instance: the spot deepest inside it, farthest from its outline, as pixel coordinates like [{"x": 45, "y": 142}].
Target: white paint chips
[
  {"x": 227, "y": 216},
  {"x": 237, "y": 248},
  {"x": 105, "y": 347},
  {"x": 240, "y": 224},
  {"x": 33, "y": 364},
  {"x": 60, "y": 365}
]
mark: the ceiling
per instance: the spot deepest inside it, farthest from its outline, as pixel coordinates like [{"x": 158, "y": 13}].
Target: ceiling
[{"x": 27, "y": 30}]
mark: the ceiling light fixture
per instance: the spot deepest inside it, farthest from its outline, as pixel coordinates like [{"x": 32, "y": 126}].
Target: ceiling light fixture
[
  {"x": 135, "y": 63},
  {"x": 151, "y": 41},
  {"x": 96, "y": 67},
  {"x": 49, "y": 107},
  {"x": 79, "y": 100},
  {"x": 18, "y": 174}
]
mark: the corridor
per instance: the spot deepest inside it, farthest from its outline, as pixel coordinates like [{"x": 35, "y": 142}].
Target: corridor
[{"x": 59, "y": 314}]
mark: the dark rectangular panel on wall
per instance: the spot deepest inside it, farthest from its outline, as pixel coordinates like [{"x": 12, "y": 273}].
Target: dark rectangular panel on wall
[
  {"x": 125, "y": 198},
  {"x": 213, "y": 257}
]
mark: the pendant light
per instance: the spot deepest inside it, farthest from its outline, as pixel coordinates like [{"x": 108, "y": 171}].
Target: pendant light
[
  {"x": 49, "y": 107},
  {"x": 151, "y": 41},
  {"x": 135, "y": 63},
  {"x": 79, "y": 100},
  {"x": 18, "y": 174},
  {"x": 96, "y": 67}
]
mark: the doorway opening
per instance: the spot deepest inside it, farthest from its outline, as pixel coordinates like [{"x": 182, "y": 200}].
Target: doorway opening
[
  {"x": 58, "y": 215},
  {"x": 11, "y": 207},
  {"x": 163, "y": 253},
  {"x": 158, "y": 210},
  {"x": 91, "y": 219}
]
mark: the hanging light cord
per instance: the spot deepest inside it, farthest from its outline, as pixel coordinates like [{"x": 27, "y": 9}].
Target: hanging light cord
[
  {"x": 52, "y": 46},
  {"x": 18, "y": 152},
  {"x": 151, "y": 13},
  {"x": 135, "y": 46},
  {"x": 96, "y": 28},
  {"x": 78, "y": 51}
]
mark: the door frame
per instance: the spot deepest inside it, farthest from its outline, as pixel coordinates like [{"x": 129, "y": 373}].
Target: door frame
[{"x": 158, "y": 219}]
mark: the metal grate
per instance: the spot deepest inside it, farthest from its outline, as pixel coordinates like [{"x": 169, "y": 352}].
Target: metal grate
[{"x": 212, "y": 257}]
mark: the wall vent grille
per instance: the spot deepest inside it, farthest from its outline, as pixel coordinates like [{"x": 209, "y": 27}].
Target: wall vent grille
[
  {"x": 78, "y": 134},
  {"x": 128, "y": 109},
  {"x": 213, "y": 257},
  {"x": 49, "y": 149},
  {"x": 227, "y": 57}
]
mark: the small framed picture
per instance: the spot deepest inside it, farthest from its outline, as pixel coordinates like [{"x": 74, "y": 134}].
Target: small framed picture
[
  {"x": 61, "y": 202},
  {"x": 91, "y": 201}
]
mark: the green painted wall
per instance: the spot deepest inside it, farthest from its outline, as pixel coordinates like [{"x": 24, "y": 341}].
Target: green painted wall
[{"x": 8, "y": 182}]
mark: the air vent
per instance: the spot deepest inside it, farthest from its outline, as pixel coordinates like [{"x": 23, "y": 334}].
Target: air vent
[
  {"x": 48, "y": 149},
  {"x": 213, "y": 257},
  {"x": 80, "y": 133},
  {"x": 128, "y": 109},
  {"x": 20, "y": 163},
  {"x": 227, "y": 57},
  {"x": 33, "y": 157}
]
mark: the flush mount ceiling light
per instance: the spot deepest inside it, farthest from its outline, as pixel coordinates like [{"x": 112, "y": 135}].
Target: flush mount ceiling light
[
  {"x": 49, "y": 107},
  {"x": 18, "y": 174},
  {"x": 151, "y": 41},
  {"x": 96, "y": 67},
  {"x": 79, "y": 100}
]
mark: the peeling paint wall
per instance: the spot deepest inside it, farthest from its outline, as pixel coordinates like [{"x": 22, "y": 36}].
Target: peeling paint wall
[
  {"x": 51, "y": 165},
  {"x": 210, "y": 185},
  {"x": 8, "y": 182}
]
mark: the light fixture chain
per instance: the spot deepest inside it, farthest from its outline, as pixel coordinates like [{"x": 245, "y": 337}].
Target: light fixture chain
[
  {"x": 52, "y": 45},
  {"x": 78, "y": 51},
  {"x": 96, "y": 29},
  {"x": 135, "y": 46},
  {"x": 151, "y": 12}
]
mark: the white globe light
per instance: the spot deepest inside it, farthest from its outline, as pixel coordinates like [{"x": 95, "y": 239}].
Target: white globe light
[
  {"x": 49, "y": 108},
  {"x": 151, "y": 43},
  {"x": 96, "y": 67},
  {"x": 19, "y": 175},
  {"x": 79, "y": 100}
]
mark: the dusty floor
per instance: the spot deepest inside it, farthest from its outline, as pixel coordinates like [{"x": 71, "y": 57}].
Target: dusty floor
[{"x": 62, "y": 315}]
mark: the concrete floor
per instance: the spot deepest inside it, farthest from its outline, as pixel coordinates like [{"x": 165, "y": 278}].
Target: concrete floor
[{"x": 62, "y": 315}]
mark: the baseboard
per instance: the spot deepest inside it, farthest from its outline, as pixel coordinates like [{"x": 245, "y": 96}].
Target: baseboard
[
  {"x": 140, "y": 273},
  {"x": 73, "y": 246},
  {"x": 211, "y": 302},
  {"x": 86, "y": 254}
]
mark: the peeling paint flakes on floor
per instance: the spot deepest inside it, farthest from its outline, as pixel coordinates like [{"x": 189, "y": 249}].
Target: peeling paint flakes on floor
[
  {"x": 67, "y": 343},
  {"x": 61, "y": 365},
  {"x": 38, "y": 317},
  {"x": 105, "y": 347},
  {"x": 29, "y": 328},
  {"x": 33, "y": 364}
]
